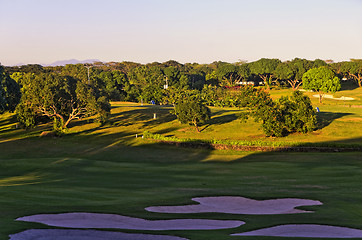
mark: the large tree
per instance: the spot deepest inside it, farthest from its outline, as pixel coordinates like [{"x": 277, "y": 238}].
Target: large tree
[
  {"x": 9, "y": 92},
  {"x": 285, "y": 71},
  {"x": 61, "y": 99},
  {"x": 299, "y": 66},
  {"x": 322, "y": 80},
  {"x": 354, "y": 70},
  {"x": 227, "y": 74},
  {"x": 264, "y": 68}
]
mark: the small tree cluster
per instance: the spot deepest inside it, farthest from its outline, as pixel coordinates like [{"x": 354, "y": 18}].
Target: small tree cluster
[{"x": 280, "y": 117}]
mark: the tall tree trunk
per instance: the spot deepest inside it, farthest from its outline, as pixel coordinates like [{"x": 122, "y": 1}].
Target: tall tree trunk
[
  {"x": 197, "y": 127},
  {"x": 293, "y": 84},
  {"x": 265, "y": 79},
  {"x": 358, "y": 78},
  {"x": 320, "y": 96}
]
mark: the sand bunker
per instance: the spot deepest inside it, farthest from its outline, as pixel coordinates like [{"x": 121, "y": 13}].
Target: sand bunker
[
  {"x": 97, "y": 220},
  {"x": 305, "y": 230},
  {"x": 331, "y": 97},
  {"x": 65, "y": 234},
  {"x": 239, "y": 205}
]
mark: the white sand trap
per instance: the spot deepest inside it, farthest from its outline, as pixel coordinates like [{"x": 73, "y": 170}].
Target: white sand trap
[
  {"x": 331, "y": 97},
  {"x": 239, "y": 205},
  {"x": 305, "y": 230},
  {"x": 65, "y": 234},
  {"x": 98, "y": 220}
]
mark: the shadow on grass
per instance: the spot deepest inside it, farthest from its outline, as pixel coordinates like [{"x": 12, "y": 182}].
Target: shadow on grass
[
  {"x": 348, "y": 85},
  {"x": 349, "y": 145},
  {"x": 166, "y": 130},
  {"x": 324, "y": 119},
  {"x": 8, "y": 120},
  {"x": 223, "y": 119},
  {"x": 100, "y": 139},
  {"x": 148, "y": 115},
  {"x": 100, "y": 146}
]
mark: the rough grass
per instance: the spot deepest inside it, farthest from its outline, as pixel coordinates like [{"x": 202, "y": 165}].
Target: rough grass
[{"x": 106, "y": 169}]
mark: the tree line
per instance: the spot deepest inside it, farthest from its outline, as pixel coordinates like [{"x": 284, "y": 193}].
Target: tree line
[
  {"x": 129, "y": 81},
  {"x": 65, "y": 93}
]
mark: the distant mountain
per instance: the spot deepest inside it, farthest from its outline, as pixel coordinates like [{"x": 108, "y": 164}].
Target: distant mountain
[{"x": 71, "y": 61}]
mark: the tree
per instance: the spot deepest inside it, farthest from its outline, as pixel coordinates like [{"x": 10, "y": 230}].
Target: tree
[
  {"x": 61, "y": 99},
  {"x": 174, "y": 77},
  {"x": 264, "y": 68},
  {"x": 261, "y": 107},
  {"x": 211, "y": 79},
  {"x": 9, "y": 92},
  {"x": 280, "y": 117},
  {"x": 228, "y": 74},
  {"x": 299, "y": 66},
  {"x": 78, "y": 71},
  {"x": 354, "y": 70},
  {"x": 318, "y": 63},
  {"x": 196, "y": 74},
  {"x": 285, "y": 71},
  {"x": 113, "y": 83},
  {"x": 244, "y": 71},
  {"x": 191, "y": 110},
  {"x": 288, "y": 115},
  {"x": 148, "y": 81},
  {"x": 322, "y": 80}
]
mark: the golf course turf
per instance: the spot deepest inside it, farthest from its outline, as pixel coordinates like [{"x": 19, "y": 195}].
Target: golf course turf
[{"x": 106, "y": 169}]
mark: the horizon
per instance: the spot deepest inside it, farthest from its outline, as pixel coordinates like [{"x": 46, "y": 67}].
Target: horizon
[
  {"x": 43, "y": 32},
  {"x": 92, "y": 61}
]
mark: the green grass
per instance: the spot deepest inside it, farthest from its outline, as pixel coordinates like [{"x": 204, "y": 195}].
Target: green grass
[
  {"x": 125, "y": 180},
  {"x": 106, "y": 169}
]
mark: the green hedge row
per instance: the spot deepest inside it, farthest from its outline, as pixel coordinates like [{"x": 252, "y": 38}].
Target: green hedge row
[{"x": 328, "y": 146}]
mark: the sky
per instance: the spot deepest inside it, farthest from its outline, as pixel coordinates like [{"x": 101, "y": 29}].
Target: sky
[{"x": 202, "y": 31}]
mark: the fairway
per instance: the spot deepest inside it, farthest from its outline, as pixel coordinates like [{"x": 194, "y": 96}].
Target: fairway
[
  {"x": 70, "y": 176},
  {"x": 107, "y": 170}
]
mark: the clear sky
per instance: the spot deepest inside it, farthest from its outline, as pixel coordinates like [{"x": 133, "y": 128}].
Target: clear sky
[{"x": 203, "y": 31}]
